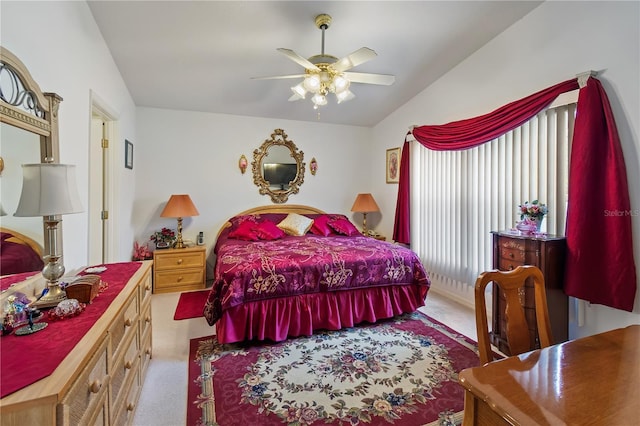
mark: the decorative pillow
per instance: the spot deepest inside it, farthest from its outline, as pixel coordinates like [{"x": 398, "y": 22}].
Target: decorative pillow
[
  {"x": 321, "y": 225},
  {"x": 244, "y": 231},
  {"x": 238, "y": 220},
  {"x": 296, "y": 224},
  {"x": 344, "y": 227},
  {"x": 268, "y": 230}
]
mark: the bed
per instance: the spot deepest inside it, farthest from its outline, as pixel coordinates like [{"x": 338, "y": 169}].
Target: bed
[
  {"x": 18, "y": 253},
  {"x": 324, "y": 276}
]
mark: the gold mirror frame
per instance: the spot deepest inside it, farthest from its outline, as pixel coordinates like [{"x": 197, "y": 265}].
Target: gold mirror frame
[
  {"x": 32, "y": 110},
  {"x": 278, "y": 138}
]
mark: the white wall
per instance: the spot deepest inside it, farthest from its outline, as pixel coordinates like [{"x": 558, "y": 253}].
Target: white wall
[
  {"x": 197, "y": 153},
  {"x": 61, "y": 46},
  {"x": 553, "y": 43}
]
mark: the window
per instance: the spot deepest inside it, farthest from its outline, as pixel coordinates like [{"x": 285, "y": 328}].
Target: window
[{"x": 459, "y": 197}]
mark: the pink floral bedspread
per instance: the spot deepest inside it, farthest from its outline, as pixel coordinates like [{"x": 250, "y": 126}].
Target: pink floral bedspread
[{"x": 248, "y": 271}]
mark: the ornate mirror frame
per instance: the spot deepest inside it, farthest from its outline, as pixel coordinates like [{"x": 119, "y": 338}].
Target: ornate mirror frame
[
  {"x": 25, "y": 106},
  {"x": 278, "y": 138}
]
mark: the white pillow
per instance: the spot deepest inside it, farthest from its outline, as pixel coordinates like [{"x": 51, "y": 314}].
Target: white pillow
[{"x": 295, "y": 224}]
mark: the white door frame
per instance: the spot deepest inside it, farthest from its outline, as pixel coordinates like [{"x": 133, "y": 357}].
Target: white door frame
[{"x": 101, "y": 110}]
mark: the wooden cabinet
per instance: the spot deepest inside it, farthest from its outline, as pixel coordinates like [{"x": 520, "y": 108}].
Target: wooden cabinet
[
  {"x": 179, "y": 269},
  {"x": 548, "y": 254},
  {"x": 99, "y": 382}
]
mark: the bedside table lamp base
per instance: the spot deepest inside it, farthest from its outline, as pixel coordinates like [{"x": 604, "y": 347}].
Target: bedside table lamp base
[{"x": 179, "y": 242}]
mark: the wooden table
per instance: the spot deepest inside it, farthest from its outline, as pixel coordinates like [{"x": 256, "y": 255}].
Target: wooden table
[{"x": 593, "y": 380}]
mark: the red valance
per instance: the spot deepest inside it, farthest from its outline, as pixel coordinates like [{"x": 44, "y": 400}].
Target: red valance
[{"x": 600, "y": 263}]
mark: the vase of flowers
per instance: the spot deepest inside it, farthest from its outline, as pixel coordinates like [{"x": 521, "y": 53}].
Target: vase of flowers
[
  {"x": 163, "y": 238},
  {"x": 532, "y": 213}
]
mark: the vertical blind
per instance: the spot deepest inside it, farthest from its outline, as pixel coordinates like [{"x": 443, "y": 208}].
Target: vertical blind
[{"x": 459, "y": 197}]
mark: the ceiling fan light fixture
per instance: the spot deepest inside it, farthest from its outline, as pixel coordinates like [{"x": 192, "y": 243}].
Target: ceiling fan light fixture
[
  {"x": 299, "y": 91},
  {"x": 312, "y": 83},
  {"x": 326, "y": 73},
  {"x": 340, "y": 84},
  {"x": 345, "y": 95},
  {"x": 319, "y": 99}
]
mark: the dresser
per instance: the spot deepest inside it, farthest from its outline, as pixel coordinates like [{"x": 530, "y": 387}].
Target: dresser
[
  {"x": 179, "y": 269},
  {"x": 511, "y": 249},
  {"x": 100, "y": 380}
]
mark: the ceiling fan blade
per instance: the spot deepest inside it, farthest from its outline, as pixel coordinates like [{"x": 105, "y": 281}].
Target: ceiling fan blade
[
  {"x": 356, "y": 58},
  {"x": 279, "y": 77},
  {"x": 298, "y": 59},
  {"x": 381, "y": 79}
]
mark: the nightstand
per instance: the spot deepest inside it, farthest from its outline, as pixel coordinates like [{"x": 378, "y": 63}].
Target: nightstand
[{"x": 179, "y": 269}]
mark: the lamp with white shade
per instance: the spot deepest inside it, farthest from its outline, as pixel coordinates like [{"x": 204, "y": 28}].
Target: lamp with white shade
[
  {"x": 179, "y": 206},
  {"x": 49, "y": 190}
]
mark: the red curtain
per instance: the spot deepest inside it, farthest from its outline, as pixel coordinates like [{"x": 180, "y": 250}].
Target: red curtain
[
  {"x": 600, "y": 266},
  {"x": 401, "y": 229},
  {"x": 600, "y": 168}
]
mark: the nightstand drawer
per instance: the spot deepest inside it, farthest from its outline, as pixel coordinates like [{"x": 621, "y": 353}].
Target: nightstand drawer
[
  {"x": 512, "y": 254},
  {"x": 508, "y": 265},
  {"x": 182, "y": 279},
  {"x": 178, "y": 260}
]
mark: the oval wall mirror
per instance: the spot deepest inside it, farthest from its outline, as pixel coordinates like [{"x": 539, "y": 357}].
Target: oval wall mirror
[{"x": 278, "y": 167}]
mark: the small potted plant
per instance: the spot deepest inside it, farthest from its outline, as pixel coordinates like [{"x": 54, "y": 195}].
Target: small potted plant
[{"x": 164, "y": 238}]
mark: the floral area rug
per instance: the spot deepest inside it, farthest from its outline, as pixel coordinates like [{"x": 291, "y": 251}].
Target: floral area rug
[{"x": 401, "y": 371}]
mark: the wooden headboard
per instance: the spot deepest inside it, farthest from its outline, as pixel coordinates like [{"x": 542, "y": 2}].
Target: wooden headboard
[
  {"x": 22, "y": 239},
  {"x": 274, "y": 208},
  {"x": 282, "y": 208}
]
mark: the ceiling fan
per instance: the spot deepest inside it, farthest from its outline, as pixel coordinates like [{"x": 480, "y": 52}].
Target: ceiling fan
[{"x": 326, "y": 74}]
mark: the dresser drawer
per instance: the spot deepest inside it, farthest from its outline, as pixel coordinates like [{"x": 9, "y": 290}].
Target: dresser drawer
[
  {"x": 183, "y": 279},
  {"x": 147, "y": 352},
  {"x": 125, "y": 413},
  {"x": 180, "y": 260},
  {"x": 88, "y": 392},
  {"x": 124, "y": 368},
  {"x": 145, "y": 319},
  {"x": 123, "y": 327},
  {"x": 145, "y": 289}
]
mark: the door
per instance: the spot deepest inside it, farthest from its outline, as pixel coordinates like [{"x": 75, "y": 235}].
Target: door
[{"x": 98, "y": 192}]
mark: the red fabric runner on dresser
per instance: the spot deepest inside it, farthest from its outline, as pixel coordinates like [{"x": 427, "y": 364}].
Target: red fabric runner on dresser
[{"x": 27, "y": 359}]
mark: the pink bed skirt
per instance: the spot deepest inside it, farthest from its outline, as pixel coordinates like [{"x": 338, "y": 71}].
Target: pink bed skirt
[{"x": 277, "y": 319}]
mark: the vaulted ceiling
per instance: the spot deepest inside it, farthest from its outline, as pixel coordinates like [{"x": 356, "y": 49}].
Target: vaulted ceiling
[{"x": 201, "y": 55}]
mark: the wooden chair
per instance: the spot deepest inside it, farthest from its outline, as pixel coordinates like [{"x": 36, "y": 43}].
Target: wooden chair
[{"x": 518, "y": 335}]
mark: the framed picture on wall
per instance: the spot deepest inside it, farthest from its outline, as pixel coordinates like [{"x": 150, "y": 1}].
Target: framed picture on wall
[
  {"x": 128, "y": 154},
  {"x": 393, "y": 165}
]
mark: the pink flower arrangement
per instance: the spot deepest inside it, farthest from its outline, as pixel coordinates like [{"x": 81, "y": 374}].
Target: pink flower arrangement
[
  {"x": 141, "y": 252},
  {"x": 532, "y": 210}
]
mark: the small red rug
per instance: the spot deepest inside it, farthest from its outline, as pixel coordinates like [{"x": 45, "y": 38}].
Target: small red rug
[
  {"x": 191, "y": 304},
  {"x": 402, "y": 371}
]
